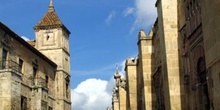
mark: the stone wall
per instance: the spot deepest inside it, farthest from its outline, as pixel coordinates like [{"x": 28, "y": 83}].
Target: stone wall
[
  {"x": 10, "y": 90},
  {"x": 131, "y": 77},
  {"x": 22, "y": 81},
  {"x": 122, "y": 95},
  {"x": 168, "y": 32},
  {"x": 211, "y": 23},
  {"x": 145, "y": 59},
  {"x": 5, "y": 92}
]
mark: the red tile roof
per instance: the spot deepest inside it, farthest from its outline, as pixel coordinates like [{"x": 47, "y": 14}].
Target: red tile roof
[{"x": 50, "y": 20}]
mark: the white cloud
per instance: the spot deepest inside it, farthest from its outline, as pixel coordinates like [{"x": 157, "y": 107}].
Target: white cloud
[
  {"x": 78, "y": 99},
  {"x": 110, "y": 85},
  {"x": 95, "y": 94},
  {"x": 92, "y": 94},
  {"x": 110, "y": 17},
  {"x": 128, "y": 11},
  {"x": 121, "y": 69},
  {"x": 145, "y": 14},
  {"x": 25, "y": 38}
]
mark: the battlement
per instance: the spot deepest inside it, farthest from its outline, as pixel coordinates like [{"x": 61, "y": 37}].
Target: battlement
[
  {"x": 142, "y": 34},
  {"x": 131, "y": 62}
]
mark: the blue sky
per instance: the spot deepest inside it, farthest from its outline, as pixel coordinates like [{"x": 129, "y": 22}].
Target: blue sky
[{"x": 103, "y": 33}]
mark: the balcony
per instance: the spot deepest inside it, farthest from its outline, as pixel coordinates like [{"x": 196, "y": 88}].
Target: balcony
[
  {"x": 40, "y": 82},
  {"x": 9, "y": 65}
]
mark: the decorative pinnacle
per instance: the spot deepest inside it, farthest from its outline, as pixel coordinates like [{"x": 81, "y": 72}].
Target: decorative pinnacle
[
  {"x": 142, "y": 33},
  {"x": 51, "y": 7},
  {"x": 117, "y": 75}
]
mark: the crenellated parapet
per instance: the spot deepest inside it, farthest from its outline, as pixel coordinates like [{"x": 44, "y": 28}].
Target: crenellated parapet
[
  {"x": 142, "y": 36},
  {"x": 131, "y": 62},
  {"x": 123, "y": 83}
]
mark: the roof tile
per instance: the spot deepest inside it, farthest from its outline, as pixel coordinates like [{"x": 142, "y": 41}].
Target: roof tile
[{"x": 49, "y": 19}]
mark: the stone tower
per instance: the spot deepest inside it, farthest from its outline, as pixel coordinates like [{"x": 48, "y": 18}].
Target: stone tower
[
  {"x": 170, "y": 68},
  {"x": 52, "y": 39}
]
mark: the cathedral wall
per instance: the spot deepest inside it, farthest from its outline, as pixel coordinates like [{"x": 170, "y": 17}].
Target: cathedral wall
[
  {"x": 145, "y": 59},
  {"x": 157, "y": 75},
  {"x": 116, "y": 105},
  {"x": 211, "y": 29},
  {"x": 140, "y": 87},
  {"x": 168, "y": 32},
  {"x": 185, "y": 61},
  {"x": 131, "y": 75},
  {"x": 122, "y": 99}
]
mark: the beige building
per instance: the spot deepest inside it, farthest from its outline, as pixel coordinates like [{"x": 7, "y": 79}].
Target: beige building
[
  {"x": 178, "y": 64},
  {"x": 35, "y": 75}
]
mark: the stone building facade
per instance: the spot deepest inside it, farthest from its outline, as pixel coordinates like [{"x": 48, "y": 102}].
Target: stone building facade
[
  {"x": 35, "y": 75},
  {"x": 178, "y": 62}
]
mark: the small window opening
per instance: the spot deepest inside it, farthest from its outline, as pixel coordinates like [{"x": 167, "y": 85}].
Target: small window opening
[
  {"x": 47, "y": 80},
  {"x": 48, "y": 37}
]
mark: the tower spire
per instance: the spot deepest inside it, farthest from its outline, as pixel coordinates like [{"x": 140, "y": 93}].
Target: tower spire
[{"x": 51, "y": 7}]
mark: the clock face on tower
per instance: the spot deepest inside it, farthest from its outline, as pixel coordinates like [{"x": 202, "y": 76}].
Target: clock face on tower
[{"x": 48, "y": 38}]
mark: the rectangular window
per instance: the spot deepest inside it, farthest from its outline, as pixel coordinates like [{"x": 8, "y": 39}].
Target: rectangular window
[
  {"x": 34, "y": 74},
  {"x": 23, "y": 103},
  {"x": 20, "y": 65},
  {"x": 4, "y": 58},
  {"x": 47, "y": 79},
  {"x": 67, "y": 89},
  {"x": 67, "y": 86}
]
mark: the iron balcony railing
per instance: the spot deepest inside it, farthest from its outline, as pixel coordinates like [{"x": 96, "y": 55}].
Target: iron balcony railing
[{"x": 9, "y": 64}]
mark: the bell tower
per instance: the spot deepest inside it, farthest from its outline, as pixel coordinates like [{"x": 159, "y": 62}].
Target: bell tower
[{"x": 52, "y": 39}]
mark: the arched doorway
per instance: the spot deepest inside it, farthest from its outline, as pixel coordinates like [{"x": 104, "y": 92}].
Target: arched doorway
[{"x": 204, "y": 100}]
